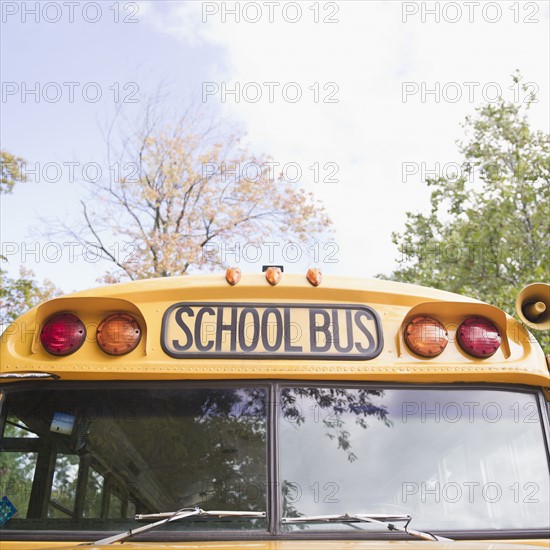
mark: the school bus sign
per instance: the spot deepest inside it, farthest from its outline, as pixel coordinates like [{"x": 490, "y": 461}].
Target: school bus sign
[{"x": 256, "y": 331}]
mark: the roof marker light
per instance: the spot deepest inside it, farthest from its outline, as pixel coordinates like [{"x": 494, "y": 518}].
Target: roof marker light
[
  {"x": 314, "y": 276},
  {"x": 426, "y": 336},
  {"x": 273, "y": 275},
  {"x": 232, "y": 275}
]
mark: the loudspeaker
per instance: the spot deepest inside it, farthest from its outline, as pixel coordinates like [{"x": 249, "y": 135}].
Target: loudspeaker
[{"x": 533, "y": 306}]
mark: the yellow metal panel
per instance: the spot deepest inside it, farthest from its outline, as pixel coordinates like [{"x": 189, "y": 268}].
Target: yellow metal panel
[{"x": 519, "y": 360}]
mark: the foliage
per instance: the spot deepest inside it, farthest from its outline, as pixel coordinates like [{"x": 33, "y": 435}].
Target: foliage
[
  {"x": 20, "y": 294},
  {"x": 181, "y": 192},
  {"x": 486, "y": 234},
  {"x": 10, "y": 171}
]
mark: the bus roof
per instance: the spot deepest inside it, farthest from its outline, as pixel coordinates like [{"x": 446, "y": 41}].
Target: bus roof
[
  {"x": 406, "y": 293},
  {"x": 154, "y": 303}
]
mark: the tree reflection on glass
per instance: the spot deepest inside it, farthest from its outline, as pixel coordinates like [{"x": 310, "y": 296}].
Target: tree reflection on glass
[
  {"x": 329, "y": 407},
  {"x": 149, "y": 450}
]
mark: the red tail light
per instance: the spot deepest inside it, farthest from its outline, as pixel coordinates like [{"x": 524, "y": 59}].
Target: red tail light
[
  {"x": 63, "y": 334},
  {"x": 118, "y": 334},
  {"x": 478, "y": 337}
]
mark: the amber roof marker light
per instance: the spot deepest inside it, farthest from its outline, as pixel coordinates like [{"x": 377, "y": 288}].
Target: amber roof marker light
[
  {"x": 118, "y": 334},
  {"x": 273, "y": 274},
  {"x": 232, "y": 275},
  {"x": 426, "y": 336},
  {"x": 314, "y": 276}
]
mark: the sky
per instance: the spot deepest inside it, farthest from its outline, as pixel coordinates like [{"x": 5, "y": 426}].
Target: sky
[{"x": 363, "y": 99}]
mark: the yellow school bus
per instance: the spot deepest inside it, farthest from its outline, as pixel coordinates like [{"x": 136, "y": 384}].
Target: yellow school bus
[{"x": 274, "y": 411}]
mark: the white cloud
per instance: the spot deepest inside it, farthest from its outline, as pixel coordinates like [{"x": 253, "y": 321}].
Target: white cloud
[{"x": 370, "y": 132}]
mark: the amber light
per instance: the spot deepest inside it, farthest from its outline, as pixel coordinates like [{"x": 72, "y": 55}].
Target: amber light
[
  {"x": 426, "y": 336},
  {"x": 232, "y": 275},
  {"x": 118, "y": 334},
  {"x": 478, "y": 337},
  {"x": 63, "y": 334},
  {"x": 314, "y": 276},
  {"x": 273, "y": 275}
]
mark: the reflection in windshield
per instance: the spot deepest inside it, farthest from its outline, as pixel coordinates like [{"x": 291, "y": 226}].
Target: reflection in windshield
[
  {"x": 107, "y": 454},
  {"x": 330, "y": 406},
  {"x": 453, "y": 459}
]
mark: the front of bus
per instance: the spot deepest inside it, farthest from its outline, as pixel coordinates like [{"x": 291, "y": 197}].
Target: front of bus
[{"x": 274, "y": 412}]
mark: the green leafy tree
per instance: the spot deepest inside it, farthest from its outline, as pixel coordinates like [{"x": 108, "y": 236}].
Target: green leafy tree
[
  {"x": 10, "y": 174},
  {"x": 10, "y": 171},
  {"x": 486, "y": 234},
  {"x": 17, "y": 295}
]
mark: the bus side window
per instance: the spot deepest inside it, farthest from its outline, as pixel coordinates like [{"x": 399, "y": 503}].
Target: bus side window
[
  {"x": 16, "y": 474},
  {"x": 131, "y": 509},
  {"x": 17, "y": 428},
  {"x": 18, "y": 457},
  {"x": 115, "y": 504},
  {"x": 94, "y": 494},
  {"x": 64, "y": 484}
]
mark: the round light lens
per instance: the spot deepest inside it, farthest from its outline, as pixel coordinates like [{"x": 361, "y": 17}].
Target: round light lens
[
  {"x": 118, "y": 334},
  {"x": 426, "y": 336},
  {"x": 63, "y": 334},
  {"x": 478, "y": 337},
  {"x": 232, "y": 275}
]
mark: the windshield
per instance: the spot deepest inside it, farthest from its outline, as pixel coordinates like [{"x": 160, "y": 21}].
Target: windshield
[
  {"x": 78, "y": 457},
  {"x": 452, "y": 459},
  {"x": 91, "y": 459}
]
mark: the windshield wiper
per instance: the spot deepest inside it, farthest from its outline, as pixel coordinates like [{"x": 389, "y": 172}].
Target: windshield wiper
[
  {"x": 168, "y": 517},
  {"x": 380, "y": 519}
]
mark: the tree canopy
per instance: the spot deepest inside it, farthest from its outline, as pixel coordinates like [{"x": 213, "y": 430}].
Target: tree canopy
[
  {"x": 10, "y": 171},
  {"x": 486, "y": 233},
  {"x": 179, "y": 190},
  {"x": 17, "y": 295}
]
